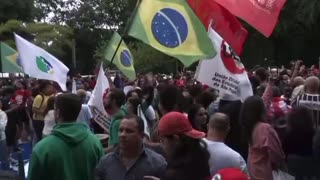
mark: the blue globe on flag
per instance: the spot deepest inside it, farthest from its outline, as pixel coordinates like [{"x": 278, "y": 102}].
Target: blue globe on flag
[
  {"x": 169, "y": 27},
  {"x": 125, "y": 58},
  {"x": 43, "y": 65}
]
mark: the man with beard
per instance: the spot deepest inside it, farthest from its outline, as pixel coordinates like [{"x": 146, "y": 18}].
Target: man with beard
[{"x": 113, "y": 103}]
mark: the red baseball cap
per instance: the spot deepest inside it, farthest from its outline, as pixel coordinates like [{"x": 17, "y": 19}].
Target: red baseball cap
[
  {"x": 177, "y": 123},
  {"x": 230, "y": 174}
]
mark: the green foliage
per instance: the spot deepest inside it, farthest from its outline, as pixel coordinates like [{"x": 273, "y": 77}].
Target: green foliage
[
  {"x": 296, "y": 37},
  {"x": 92, "y": 22},
  {"x": 17, "y": 9},
  {"x": 54, "y": 38},
  {"x": 148, "y": 59}
]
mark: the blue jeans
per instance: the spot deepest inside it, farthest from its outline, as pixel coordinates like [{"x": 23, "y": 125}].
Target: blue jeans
[{"x": 4, "y": 156}]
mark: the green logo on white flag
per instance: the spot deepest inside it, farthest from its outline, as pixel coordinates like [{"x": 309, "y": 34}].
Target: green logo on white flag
[{"x": 43, "y": 65}]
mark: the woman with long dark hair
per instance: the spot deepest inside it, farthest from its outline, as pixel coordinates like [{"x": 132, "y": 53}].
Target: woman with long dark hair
[
  {"x": 198, "y": 117},
  {"x": 186, "y": 152},
  {"x": 265, "y": 152}
]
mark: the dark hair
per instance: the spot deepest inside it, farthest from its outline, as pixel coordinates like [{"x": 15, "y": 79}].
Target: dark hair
[
  {"x": 262, "y": 73},
  {"x": 192, "y": 116},
  {"x": 50, "y": 104},
  {"x": 276, "y": 91},
  {"x": 129, "y": 94},
  {"x": 189, "y": 160},
  {"x": 118, "y": 95},
  {"x": 8, "y": 90},
  {"x": 232, "y": 109},
  {"x": 300, "y": 120},
  {"x": 69, "y": 106},
  {"x": 205, "y": 98},
  {"x": 194, "y": 90},
  {"x": 139, "y": 121},
  {"x": 169, "y": 97},
  {"x": 147, "y": 89},
  {"x": 135, "y": 102},
  {"x": 43, "y": 84},
  {"x": 252, "y": 112},
  {"x": 185, "y": 103}
]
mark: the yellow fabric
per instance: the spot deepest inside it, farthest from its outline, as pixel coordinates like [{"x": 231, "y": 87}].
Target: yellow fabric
[{"x": 40, "y": 103}]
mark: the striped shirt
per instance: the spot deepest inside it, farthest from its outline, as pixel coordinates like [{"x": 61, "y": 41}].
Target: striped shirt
[{"x": 312, "y": 102}]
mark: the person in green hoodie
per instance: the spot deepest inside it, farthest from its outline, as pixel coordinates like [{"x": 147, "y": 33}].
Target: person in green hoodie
[{"x": 71, "y": 152}]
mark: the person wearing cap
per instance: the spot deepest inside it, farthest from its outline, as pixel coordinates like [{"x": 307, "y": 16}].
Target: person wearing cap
[
  {"x": 186, "y": 152},
  {"x": 221, "y": 156}
]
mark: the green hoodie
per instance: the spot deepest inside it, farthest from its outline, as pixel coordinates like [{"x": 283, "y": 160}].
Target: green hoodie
[
  {"x": 114, "y": 126},
  {"x": 71, "y": 152}
]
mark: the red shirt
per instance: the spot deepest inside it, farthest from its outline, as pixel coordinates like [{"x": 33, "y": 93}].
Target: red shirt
[{"x": 20, "y": 97}]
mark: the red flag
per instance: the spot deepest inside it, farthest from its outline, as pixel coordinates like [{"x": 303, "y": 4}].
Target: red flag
[
  {"x": 261, "y": 14},
  {"x": 226, "y": 24}
]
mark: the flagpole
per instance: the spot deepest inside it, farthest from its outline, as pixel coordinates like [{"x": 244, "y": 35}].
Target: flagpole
[{"x": 126, "y": 29}]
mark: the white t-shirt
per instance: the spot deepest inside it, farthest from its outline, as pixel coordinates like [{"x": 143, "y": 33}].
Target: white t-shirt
[
  {"x": 150, "y": 113},
  {"x": 49, "y": 123},
  {"x": 222, "y": 156},
  {"x": 85, "y": 115},
  {"x": 3, "y": 124}
]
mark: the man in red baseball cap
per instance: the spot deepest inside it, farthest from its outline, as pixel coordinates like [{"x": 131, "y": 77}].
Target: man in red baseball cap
[
  {"x": 186, "y": 152},
  {"x": 176, "y": 123}
]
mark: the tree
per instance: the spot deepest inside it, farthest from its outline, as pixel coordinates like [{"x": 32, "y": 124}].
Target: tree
[
  {"x": 55, "y": 39},
  {"x": 23, "y": 10},
  {"x": 295, "y": 37},
  {"x": 92, "y": 22},
  {"x": 146, "y": 58}
]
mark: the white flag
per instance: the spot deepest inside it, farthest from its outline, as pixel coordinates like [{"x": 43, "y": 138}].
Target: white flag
[
  {"x": 38, "y": 63},
  {"x": 224, "y": 72},
  {"x": 96, "y": 100},
  {"x": 74, "y": 86},
  {"x": 145, "y": 122}
]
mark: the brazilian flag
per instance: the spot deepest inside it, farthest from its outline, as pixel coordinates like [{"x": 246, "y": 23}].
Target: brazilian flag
[
  {"x": 171, "y": 27},
  {"x": 123, "y": 59},
  {"x": 9, "y": 59}
]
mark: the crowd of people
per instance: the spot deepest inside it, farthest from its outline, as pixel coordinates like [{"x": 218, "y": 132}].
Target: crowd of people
[{"x": 193, "y": 134}]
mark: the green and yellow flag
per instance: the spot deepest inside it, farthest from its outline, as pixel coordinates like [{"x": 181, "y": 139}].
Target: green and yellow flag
[
  {"x": 171, "y": 27},
  {"x": 123, "y": 59},
  {"x": 9, "y": 59}
]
